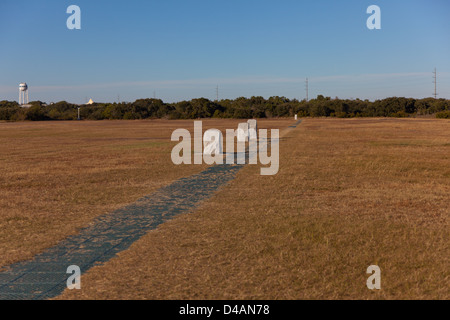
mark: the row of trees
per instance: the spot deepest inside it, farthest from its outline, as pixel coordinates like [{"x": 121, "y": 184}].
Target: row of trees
[{"x": 241, "y": 108}]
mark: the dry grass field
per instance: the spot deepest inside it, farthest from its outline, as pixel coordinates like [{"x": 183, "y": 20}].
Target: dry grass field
[
  {"x": 56, "y": 177},
  {"x": 349, "y": 194}
]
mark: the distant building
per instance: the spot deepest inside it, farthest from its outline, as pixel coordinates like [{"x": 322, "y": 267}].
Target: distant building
[{"x": 90, "y": 102}]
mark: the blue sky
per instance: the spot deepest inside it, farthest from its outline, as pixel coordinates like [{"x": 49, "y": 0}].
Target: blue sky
[{"x": 183, "y": 49}]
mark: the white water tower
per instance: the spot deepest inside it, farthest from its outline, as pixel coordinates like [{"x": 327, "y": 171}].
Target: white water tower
[{"x": 23, "y": 94}]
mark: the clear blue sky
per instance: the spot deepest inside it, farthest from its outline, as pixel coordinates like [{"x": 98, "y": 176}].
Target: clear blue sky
[{"x": 183, "y": 49}]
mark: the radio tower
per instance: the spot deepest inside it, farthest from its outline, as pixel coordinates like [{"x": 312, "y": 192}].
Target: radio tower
[
  {"x": 217, "y": 93},
  {"x": 435, "y": 83}
]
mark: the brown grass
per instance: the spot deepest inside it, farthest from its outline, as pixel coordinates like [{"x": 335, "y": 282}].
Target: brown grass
[
  {"x": 56, "y": 177},
  {"x": 349, "y": 194}
]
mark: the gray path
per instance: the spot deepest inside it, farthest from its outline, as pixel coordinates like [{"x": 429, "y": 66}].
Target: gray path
[
  {"x": 296, "y": 124},
  {"x": 45, "y": 276}
]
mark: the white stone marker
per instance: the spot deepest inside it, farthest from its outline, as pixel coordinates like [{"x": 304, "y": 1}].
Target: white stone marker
[
  {"x": 242, "y": 132},
  {"x": 253, "y": 130},
  {"x": 295, "y": 117},
  {"x": 212, "y": 141}
]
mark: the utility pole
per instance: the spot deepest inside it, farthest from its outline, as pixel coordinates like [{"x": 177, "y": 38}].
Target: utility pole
[
  {"x": 307, "y": 89},
  {"x": 217, "y": 93},
  {"x": 435, "y": 83},
  {"x": 154, "y": 95}
]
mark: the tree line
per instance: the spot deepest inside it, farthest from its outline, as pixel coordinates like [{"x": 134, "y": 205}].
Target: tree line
[{"x": 240, "y": 108}]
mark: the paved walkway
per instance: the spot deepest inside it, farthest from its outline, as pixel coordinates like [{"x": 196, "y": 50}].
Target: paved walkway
[{"x": 45, "y": 276}]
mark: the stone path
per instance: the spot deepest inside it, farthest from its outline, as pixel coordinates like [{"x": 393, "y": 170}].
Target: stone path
[{"x": 45, "y": 276}]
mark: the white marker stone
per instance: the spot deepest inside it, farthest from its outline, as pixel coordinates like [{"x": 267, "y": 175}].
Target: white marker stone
[
  {"x": 253, "y": 129},
  {"x": 212, "y": 141},
  {"x": 242, "y": 132}
]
